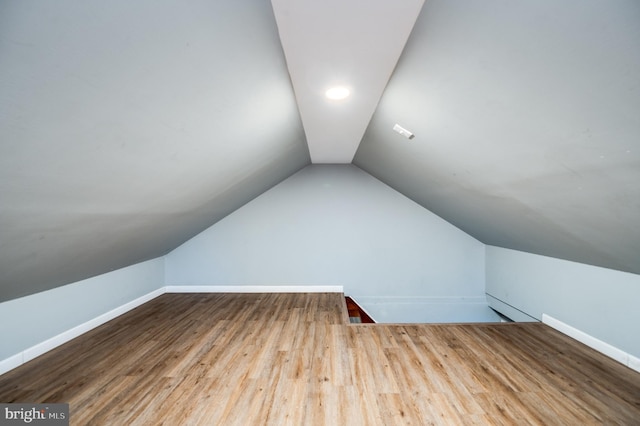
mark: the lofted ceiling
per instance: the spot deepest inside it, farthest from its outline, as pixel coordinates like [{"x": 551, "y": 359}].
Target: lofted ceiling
[
  {"x": 128, "y": 127},
  {"x": 353, "y": 44}
]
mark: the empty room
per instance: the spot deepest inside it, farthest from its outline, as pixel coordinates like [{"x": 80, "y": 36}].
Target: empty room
[{"x": 304, "y": 212}]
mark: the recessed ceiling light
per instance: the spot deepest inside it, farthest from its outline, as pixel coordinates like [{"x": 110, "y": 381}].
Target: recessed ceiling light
[{"x": 337, "y": 93}]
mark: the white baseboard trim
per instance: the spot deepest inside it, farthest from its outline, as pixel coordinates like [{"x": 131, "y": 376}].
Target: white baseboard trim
[
  {"x": 10, "y": 363},
  {"x": 634, "y": 363},
  {"x": 49, "y": 344},
  {"x": 34, "y": 351},
  {"x": 254, "y": 289},
  {"x": 611, "y": 351}
]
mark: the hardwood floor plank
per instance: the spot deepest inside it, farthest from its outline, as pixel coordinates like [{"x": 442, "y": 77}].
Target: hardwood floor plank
[{"x": 202, "y": 359}]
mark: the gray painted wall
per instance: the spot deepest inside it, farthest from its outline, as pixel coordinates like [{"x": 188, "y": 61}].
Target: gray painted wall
[
  {"x": 600, "y": 302},
  {"x": 334, "y": 225},
  {"x": 416, "y": 309},
  {"x": 27, "y": 321}
]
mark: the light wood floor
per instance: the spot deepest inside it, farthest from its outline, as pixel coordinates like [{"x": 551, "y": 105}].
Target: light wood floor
[{"x": 280, "y": 359}]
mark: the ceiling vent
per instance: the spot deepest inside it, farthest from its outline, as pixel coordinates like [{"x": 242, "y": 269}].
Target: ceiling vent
[{"x": 404, "y": 132}]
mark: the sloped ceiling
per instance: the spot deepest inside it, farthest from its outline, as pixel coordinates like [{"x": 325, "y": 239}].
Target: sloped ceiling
[
  {"x": 526, "y": 117},
  {"x": 128, "y": 127}
]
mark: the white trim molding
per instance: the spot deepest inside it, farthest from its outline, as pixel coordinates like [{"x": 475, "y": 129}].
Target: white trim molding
[
  {"x": 254, "y": 289},
  {"x": 611, "y": 351},
  {"x": 10, "y": 363},
  {"x": 55, "y": 341},
  {"x": 36, "y": 350}
]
